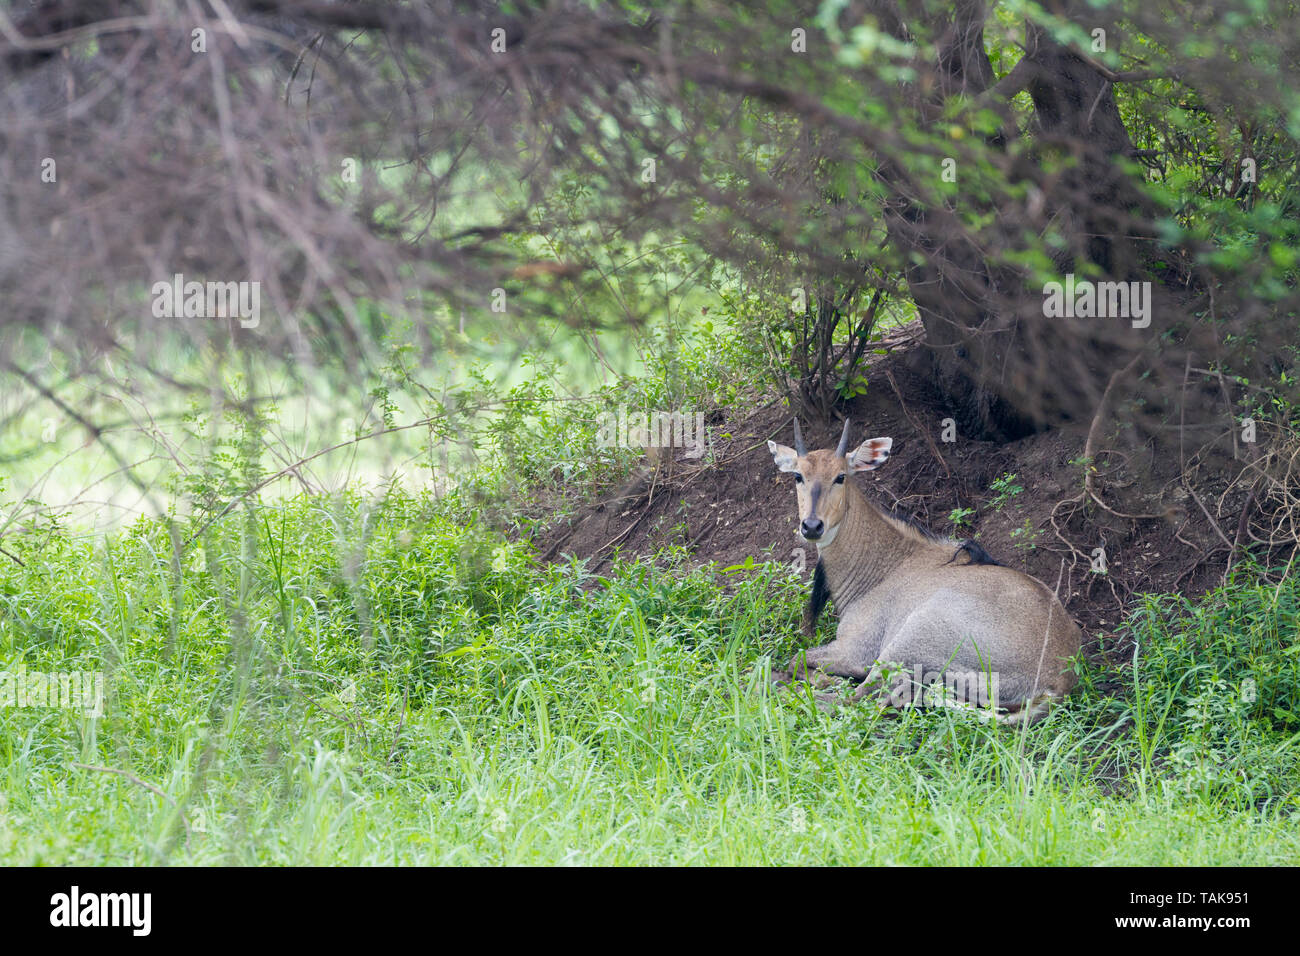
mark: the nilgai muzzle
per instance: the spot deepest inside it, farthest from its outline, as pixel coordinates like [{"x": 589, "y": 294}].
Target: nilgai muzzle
[{"x": 906, "y": 603}]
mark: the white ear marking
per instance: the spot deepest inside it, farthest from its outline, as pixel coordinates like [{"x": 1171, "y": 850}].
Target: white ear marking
[
  {"x": 871, "y": 454},
  {"x": 783, "y": 456}
]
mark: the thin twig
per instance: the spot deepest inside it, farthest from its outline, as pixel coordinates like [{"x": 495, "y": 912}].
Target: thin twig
[
  {"x": 148, "y": 786},
  {"x": 230, "y": 505},
  {"x": 934, "y": 449},
  {"x": 1090, "y": 446}
]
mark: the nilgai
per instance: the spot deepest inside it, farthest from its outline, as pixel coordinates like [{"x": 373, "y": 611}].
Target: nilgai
[{"x": 906, "y": 603}]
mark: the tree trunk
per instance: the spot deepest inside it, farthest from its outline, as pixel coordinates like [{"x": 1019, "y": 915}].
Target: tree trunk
[{"x": 1005, "y": 369}]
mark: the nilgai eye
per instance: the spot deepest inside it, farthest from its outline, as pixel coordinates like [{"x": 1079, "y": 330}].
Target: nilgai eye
[
  {"x": 839, "y": 479},
  {"x": 798, "y": 478}
]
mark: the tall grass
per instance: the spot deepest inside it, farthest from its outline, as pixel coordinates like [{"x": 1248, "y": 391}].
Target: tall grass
[{"x": 358, "y": 680}]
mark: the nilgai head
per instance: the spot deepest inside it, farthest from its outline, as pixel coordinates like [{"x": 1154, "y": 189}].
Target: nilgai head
[{"x": 819, "y": 478}]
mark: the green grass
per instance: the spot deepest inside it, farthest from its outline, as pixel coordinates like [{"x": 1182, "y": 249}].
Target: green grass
[{"x": 380, "y": 681}]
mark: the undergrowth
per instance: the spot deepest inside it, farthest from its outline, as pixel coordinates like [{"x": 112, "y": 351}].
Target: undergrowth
[{"x": 362, "y": 680}]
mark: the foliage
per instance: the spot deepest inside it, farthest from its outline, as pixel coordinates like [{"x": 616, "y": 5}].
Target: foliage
[
  {"x": 1004, "y": 488},
  {"x": 354, "y": 681}
]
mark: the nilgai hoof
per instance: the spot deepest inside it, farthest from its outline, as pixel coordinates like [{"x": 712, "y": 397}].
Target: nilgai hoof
[
  {"x": 868, "y": 689},
  {"x": 798, "y": 668},
  {"x": 829, "y": 701}
]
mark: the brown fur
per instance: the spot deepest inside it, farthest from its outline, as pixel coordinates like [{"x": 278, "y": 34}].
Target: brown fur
[{"x": 902, "y": 600}]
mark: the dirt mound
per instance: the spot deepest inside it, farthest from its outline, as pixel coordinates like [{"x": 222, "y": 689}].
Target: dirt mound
[{"x": 1143, "y": 527}]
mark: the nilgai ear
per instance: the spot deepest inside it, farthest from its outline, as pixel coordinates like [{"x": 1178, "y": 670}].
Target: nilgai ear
[
  {"x": 872, "y": 453},
  {"x": 783, "y": 456}
]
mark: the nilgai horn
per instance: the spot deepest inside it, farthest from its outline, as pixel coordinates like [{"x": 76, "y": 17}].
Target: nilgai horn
[{"x": 905, "y": 601}]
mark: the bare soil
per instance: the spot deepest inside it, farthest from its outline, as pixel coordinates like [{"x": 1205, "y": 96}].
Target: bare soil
[{"x": 733, "y": 504}]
